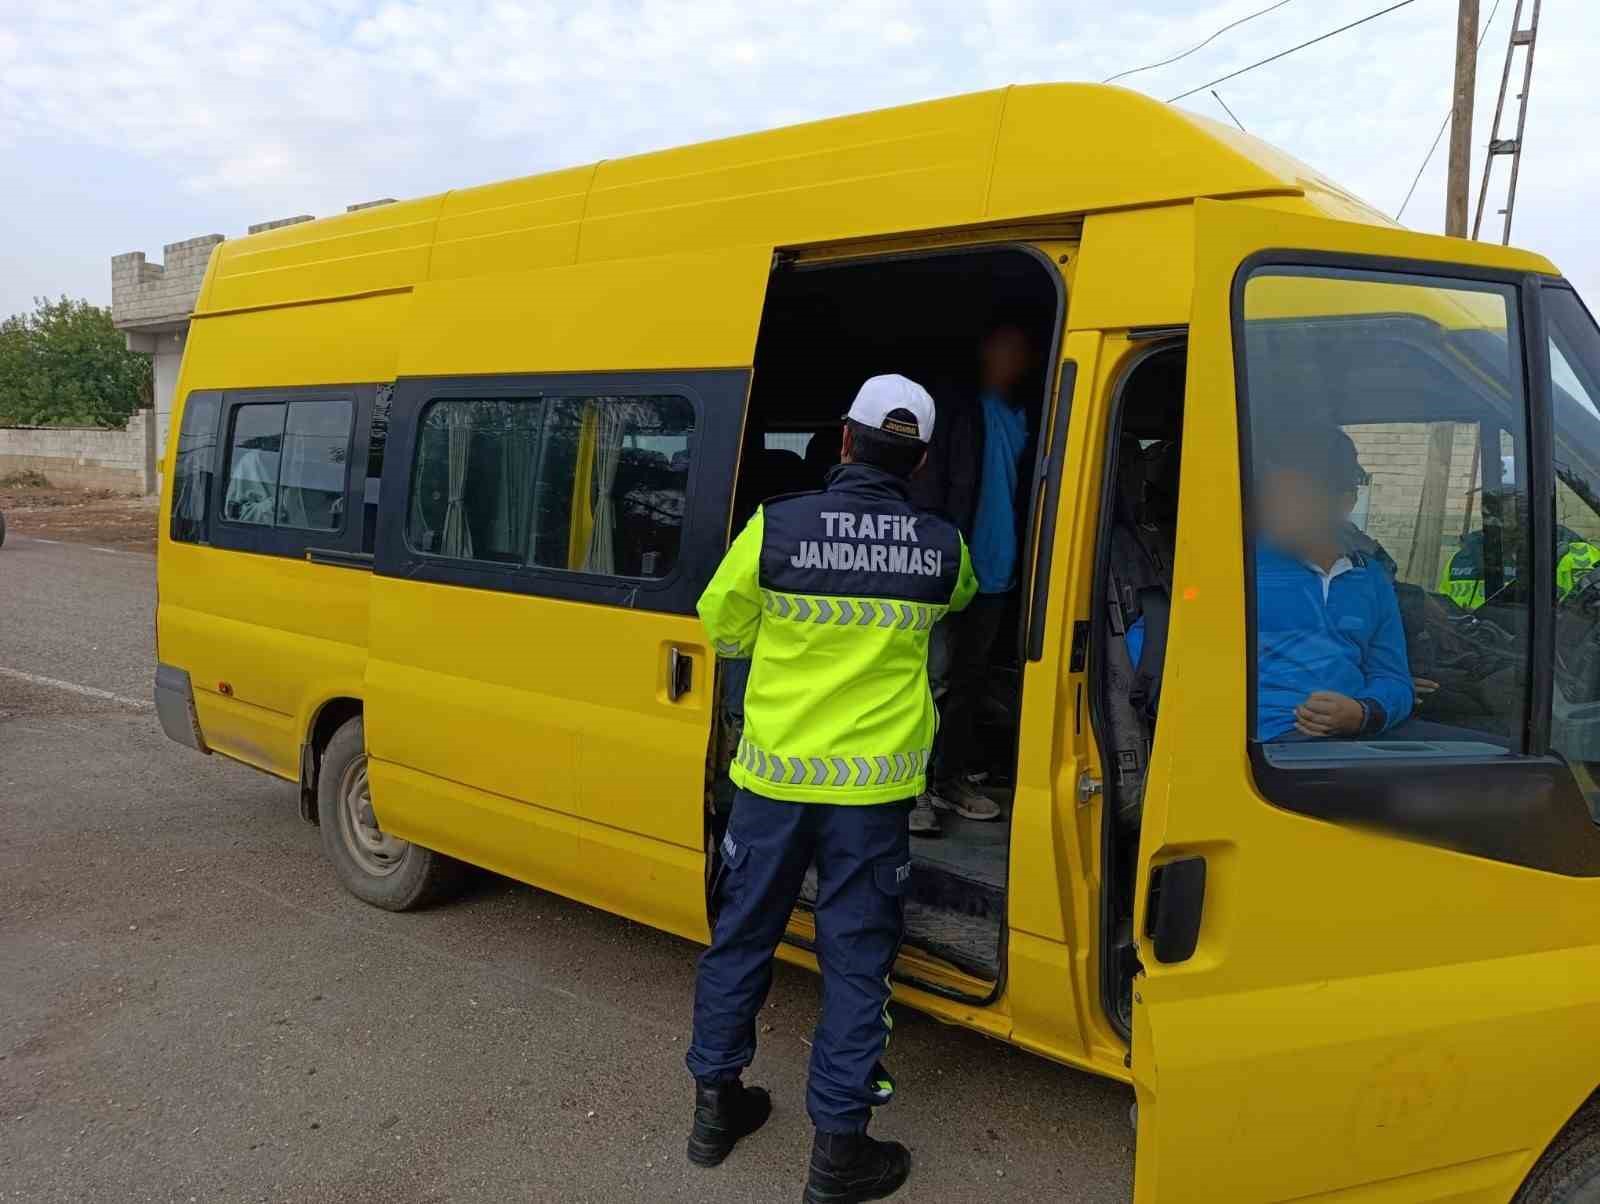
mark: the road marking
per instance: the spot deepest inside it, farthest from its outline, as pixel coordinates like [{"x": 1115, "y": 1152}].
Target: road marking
[
  {"x": 36, "y": 539},
  {"x": 73, "y": 687}
]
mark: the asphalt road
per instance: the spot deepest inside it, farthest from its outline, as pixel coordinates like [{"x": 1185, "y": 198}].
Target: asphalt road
[{"x": 192, "y": 1009}]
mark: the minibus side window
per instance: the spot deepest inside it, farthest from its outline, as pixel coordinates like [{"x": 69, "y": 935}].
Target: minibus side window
[
  {"x": 254, "y": 451},
  {"x": 316, "y": 442},
  {"x": 612, "y": 485},
  {"x": 1387, "y": 432},
  {"x": 1574, "y": 356},
  {"x": 1387, "y": 515},
  {"x": 472, "y": 483},
  {"x": 287, "y": 465},
  {"x": 586, "y": 484},
  {"x": 196, "y": 463}
]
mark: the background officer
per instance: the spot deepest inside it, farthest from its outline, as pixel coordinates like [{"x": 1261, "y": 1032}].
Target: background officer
[{"x": 832, "y": 594}]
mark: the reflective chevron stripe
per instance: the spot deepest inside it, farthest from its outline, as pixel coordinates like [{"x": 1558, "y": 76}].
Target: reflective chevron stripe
[
  {"x": 873, "y": 770},
  {"x": 728, "y": 648},
  {"x": 845, "y": 612}
]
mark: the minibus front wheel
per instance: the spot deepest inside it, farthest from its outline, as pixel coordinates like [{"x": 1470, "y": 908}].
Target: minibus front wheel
[
  {"x": 1569, "y": 1171},
  {"x": 373, "y": 865}
]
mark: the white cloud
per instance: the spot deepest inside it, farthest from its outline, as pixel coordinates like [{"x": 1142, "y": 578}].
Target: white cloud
[{"x": 307, "y": 105}]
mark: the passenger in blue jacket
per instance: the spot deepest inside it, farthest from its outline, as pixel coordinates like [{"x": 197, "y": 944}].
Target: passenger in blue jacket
[{"x": 1330, "y": 647}]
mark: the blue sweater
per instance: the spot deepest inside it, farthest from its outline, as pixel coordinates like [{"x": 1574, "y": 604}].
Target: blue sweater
[
  {"x": 1353, "y": 643},
  {"x": 994, "y": 526}
]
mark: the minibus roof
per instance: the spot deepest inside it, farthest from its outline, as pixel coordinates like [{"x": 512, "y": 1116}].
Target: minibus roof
[{"x": 1010, "y": 156}]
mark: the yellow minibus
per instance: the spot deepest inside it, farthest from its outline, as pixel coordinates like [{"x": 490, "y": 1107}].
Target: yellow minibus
[{"x": 448, "y": 475}]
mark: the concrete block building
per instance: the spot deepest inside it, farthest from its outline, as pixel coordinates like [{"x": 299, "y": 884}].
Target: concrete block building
[{"x": 151, "y": 304}]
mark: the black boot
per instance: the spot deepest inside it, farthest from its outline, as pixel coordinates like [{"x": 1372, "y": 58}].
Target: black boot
[
  {"x": 849, "y": 1167},
  {"x": 723, "y": 1113}
]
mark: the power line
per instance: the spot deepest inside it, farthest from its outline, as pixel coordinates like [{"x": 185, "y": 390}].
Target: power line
[
  {"x": 1284, "y": 53},
  {"x": 1428, "y": 158},
  {"x": 1192, "y": 49}
]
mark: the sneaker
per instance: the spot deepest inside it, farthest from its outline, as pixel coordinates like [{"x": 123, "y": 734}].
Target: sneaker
[
  {"x": 850, "y": 1167},
  {"x": 964, "y": 799},
  {"x": 723, "y": 1113},
  {"x": 924, "y": 819}
]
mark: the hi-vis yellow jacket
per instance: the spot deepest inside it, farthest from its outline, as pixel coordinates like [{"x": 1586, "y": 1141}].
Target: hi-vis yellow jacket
[{"x": 833, "y": 596}]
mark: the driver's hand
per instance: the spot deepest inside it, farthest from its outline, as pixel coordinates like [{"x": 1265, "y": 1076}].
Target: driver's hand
[
  {"x": 1326, "y": 713},
  {"x": 1423, "y": 686}
]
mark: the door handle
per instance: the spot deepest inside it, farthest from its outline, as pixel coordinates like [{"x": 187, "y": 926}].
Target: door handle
[
  {"x": 1177, "y": 901},
  {"x": 680, "y": 673}
]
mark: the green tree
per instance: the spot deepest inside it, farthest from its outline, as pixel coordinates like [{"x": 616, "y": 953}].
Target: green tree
[{"x": 66, "y": 363}]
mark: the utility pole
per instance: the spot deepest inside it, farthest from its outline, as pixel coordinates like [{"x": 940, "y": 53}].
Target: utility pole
[
  {"x": 1455, "y": 201},
  {"x": 1427, "y": 536}
]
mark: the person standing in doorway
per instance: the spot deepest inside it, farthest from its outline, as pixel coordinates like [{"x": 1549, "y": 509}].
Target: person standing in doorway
[
  {"x": 975, "y": 477},
  {"x": 831, "y": 596}
]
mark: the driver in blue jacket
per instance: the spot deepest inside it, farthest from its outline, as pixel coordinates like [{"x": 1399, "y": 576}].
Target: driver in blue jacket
[{"x": 1330, "y": 646}]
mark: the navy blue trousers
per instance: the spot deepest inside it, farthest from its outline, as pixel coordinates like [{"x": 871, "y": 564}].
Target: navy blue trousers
[{"x": 863, "y": 857}]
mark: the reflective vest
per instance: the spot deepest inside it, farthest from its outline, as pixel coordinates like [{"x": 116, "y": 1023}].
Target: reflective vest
[
  {"x": 1462, "y": 578},
  {"x": 832, "y": 596}
]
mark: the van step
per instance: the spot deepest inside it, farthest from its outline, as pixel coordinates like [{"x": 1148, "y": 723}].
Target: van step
[{"x": 952, "y": 916}]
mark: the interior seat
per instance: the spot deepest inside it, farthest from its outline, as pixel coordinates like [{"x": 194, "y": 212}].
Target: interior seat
[{"x": 1139, "y": 595}]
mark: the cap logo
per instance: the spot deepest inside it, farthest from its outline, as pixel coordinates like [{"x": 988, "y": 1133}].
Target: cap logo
[{"x": 899, "y": 426}]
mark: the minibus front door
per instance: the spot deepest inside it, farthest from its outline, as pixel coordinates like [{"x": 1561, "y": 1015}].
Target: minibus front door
[{"x": 1350, "y": 975}]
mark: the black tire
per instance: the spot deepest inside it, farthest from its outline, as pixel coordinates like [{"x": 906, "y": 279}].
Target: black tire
[
  {"x": 1569, "y": 1171},
  {"x": 2, "y": 530},
  {"x": 378, "y": 869}
]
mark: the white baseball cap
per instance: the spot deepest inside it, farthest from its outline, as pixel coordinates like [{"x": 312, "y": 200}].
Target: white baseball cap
[{"x": 895, "y": 405}]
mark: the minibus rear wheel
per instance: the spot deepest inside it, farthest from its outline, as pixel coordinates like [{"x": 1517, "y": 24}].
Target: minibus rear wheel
[
  {"x": 1569, "y": 1171},
  {"x": 374, "y": 866}
]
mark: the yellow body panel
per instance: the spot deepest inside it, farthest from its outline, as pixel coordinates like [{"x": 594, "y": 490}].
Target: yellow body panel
[
  {"x": 535, "y": 736},
  {"x": 704, "y": 310},
  {"x": 362, "y": 252},
  {"x": 521, "y": 225}
]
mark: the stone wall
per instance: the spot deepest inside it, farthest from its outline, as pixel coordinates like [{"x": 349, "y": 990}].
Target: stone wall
[{"x": 85, "y": 457}]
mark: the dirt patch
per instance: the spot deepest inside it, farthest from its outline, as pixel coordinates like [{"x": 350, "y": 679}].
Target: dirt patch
[{"x": 94, "y": 516}]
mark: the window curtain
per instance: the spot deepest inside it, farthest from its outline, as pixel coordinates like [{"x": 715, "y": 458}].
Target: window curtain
[
  {"x": 193, "y": 483},
  {"x": 580, "y": 522},
  {"x": 516, "y": 478},
  {"x": 252, "y": 487},
  {"x": 457, "y": 538},
  {"x": 541, "y": 489},
  {"x": 611, "y": 425},
  {"x": 294, "y": 464}
]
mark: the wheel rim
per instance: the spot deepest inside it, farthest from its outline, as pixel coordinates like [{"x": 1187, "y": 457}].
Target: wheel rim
[{"x": 374, "y": 850}]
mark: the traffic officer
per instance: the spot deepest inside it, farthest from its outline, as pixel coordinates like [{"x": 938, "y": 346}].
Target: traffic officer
[
  {"x": 1462, "y": 579},
  {"x": 832, "y": 595}
]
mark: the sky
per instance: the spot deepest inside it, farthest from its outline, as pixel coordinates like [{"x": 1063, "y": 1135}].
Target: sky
[{"x": 127, "y": 124}]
